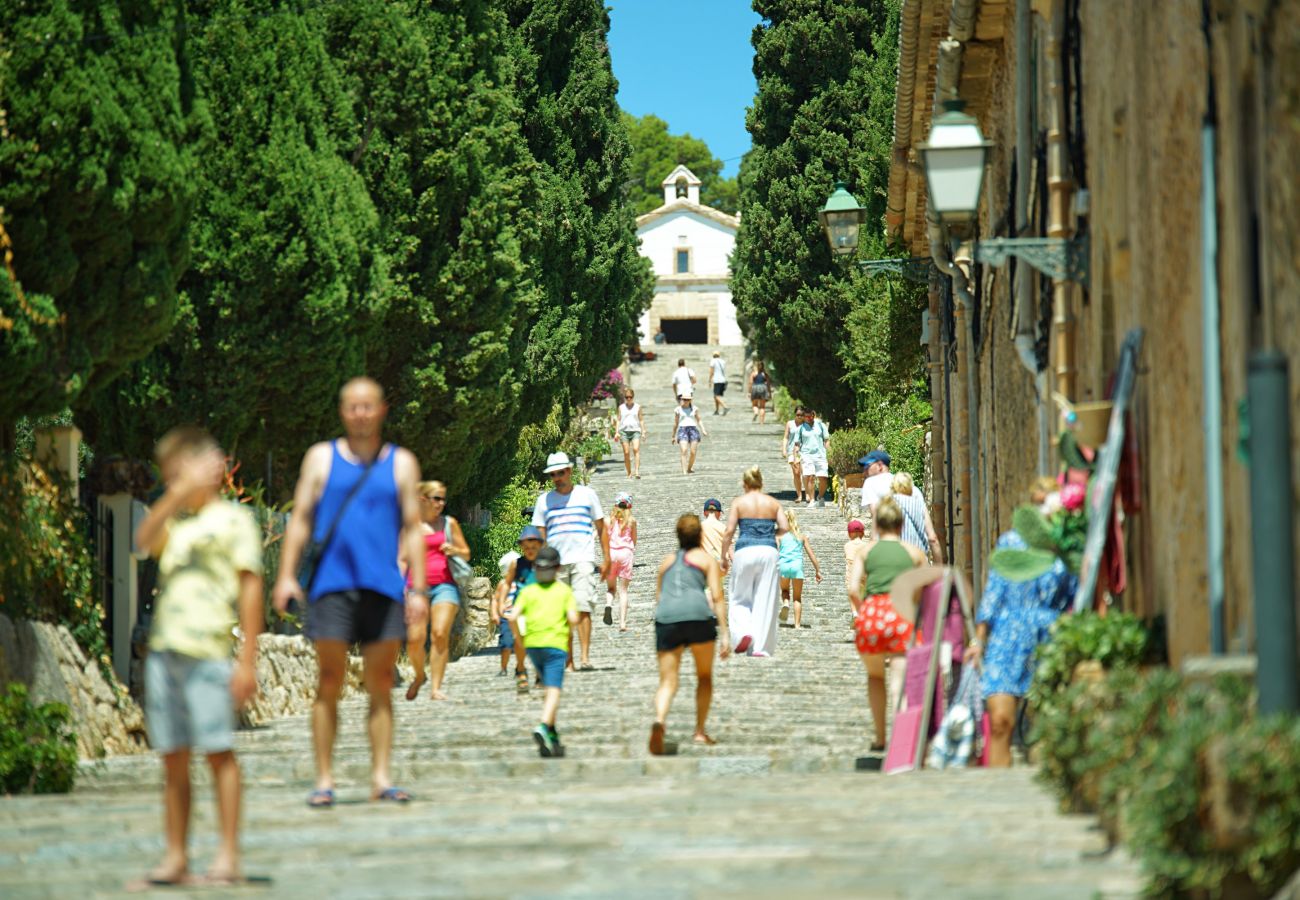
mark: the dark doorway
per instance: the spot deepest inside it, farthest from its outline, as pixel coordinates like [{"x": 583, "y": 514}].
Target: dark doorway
[{"x": 685, "y": 331}]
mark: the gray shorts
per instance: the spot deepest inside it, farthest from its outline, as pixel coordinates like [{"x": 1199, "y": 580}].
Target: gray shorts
[
  {"x": 356, "y": 617},
  {"x": 581, "y": 578},
  {"x": 187, "y": 703}
]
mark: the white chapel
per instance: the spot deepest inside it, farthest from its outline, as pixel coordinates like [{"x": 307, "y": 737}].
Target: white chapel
[{"x": 690, "y": 246}]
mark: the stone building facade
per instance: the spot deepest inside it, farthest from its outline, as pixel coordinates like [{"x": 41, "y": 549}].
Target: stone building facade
[
  {"x": 1117, "y": 101},
  {"x": 689, "y": 245}
]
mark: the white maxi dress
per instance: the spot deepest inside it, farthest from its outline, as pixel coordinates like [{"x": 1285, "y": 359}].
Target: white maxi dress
[{"x": 754, "y": 599}]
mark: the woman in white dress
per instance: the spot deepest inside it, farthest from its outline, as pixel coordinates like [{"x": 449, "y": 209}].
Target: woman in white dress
[
  {"x": 631, "y": 429},
  {"x": 757, "y": 521}
]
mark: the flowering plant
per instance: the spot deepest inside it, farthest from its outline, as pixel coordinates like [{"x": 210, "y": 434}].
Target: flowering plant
[
  {"x": 1072, "y": 497},
  {"x": 609, "y": 386},
  {"x": 1058, "y": 536}
]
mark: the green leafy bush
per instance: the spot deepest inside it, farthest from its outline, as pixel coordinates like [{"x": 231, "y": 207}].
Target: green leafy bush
[
  {"x": 784, "y": 404},
  {"x": 846, "y": 447},
  {"x": 47, "y": 570},
  {"x": 37, "y": 751},
  {"x": 1115, "y": 641},
  {"x": 487, "y": 545}
]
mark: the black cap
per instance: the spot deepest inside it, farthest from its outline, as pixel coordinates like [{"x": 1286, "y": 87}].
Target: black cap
[{"x": 547, "y": 558}]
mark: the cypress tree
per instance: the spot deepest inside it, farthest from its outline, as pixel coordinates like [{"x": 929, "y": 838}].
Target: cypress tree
[
  {"x": 593, "y": 280},
  {"x": 96, "y": 172},
  {"x": 279, "y": 306},
  {"x": 442, "y": 155},
  {"x": 819, "y": 116}
]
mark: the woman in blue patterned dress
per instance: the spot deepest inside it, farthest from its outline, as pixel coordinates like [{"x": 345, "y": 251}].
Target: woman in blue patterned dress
[{"x": 1014, "y": 618}]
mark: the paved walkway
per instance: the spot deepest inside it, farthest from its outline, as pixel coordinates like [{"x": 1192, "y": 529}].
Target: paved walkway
[{"x": 775, "y": 810}]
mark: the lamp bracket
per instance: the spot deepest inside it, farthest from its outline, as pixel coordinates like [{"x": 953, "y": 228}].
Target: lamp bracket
[
  {"x": 1058, "y": 258},
  {"x": 916, "y": 268}
]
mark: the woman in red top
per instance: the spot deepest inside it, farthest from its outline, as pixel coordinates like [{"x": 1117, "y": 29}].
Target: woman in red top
[{"x": 442, "y": 537}]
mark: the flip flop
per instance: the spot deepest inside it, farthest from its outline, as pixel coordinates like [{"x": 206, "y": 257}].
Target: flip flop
[
  {"x": 702, "y": 738},
  {"x": 231, "y": 881},
  {"x": 393, "y": 795},
  {"x": 322, "y": 798},
  {"x": 149, "y": 882},
  {"x": 744, "y": 644}
]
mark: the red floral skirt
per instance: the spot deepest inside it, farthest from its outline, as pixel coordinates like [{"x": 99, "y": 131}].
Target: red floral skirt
[{"x": 878, "y": 628}]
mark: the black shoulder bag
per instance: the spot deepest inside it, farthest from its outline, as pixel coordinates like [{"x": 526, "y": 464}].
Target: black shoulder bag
[{"x": 314, "y": 550}]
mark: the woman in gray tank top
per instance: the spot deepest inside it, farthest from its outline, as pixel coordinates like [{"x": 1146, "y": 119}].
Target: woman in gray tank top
[{"x": 690, "y": 612}]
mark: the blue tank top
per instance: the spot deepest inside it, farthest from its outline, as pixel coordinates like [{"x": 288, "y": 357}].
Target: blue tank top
[
  {"x": 791, "y": 551},
  {"x": 681, "y": 598},
  {"x": 756, "y": 533},
  {"x": 363, "y": 552}
]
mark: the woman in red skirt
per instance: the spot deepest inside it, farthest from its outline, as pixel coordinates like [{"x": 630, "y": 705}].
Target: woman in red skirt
[{"x": 878, "y": 629}]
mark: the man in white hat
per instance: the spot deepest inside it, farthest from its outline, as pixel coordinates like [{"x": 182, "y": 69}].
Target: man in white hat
[{"x": 569, "y": 516}]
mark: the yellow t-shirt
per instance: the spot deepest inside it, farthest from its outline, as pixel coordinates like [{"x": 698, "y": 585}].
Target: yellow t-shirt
[
  {"x": 711, "y": 533},
  {"x": 198, "y": 574},
  {"x": 544, "y": 609}
]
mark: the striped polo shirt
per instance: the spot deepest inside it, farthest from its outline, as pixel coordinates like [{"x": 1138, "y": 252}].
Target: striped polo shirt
[{"x": 570, "y": 522}]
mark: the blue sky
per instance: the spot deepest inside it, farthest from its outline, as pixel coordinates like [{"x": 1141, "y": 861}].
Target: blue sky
[{"x": 691, "y": 64}]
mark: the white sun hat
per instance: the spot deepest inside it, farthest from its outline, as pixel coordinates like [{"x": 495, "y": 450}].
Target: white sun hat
[{"x": 557, "y": 462}]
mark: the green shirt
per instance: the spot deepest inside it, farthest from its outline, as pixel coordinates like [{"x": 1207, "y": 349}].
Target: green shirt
[
  {"x": 886, "y": 561},
  {"x": 543, "y": 613}
]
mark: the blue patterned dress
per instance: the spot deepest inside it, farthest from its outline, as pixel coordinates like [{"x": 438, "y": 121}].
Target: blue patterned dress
[{"x": 1019, "y": 615}]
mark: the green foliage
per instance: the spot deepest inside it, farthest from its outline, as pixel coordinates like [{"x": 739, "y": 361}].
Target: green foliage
[
  {"x": 1115, "y": 641},
  {"x": 898, "y": 423},
  {"x": 487, "y": 545},
  {"x": 277, "y": 308},
  {"x": 783, "y": 404},
  {"x": 97, "y": 158},
  {"x": 846, "y": 447},
  {"x": 824, "y": 111},
  {"x": 47, "y": 570},
  {"x": 38, "y": 753},
  {"x": 655, "y": 153}
]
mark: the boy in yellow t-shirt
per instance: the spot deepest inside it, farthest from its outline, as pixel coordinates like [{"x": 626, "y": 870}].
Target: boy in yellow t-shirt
[
  {"x": 209, "y": 554},
  {"x": 544, "y": 612}
]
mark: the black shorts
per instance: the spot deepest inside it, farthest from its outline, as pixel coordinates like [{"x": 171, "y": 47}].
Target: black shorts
[
  {"x": 357, "y": 617},
  {"x": 719, "y": 388},
  {"x": 671, "y": 635}
]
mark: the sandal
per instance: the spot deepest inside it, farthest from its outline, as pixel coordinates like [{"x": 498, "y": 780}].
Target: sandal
[
  {"x": 393, "y": 795},
  {"x": 321, "y": 798},
  {"x": 521, "y": 682},
  {"x": 702, "y": 738}
]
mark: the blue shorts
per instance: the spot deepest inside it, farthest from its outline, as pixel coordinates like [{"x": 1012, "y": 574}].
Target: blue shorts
[
  {"x": 444, "y": 593},
  {"x": 505, "y": 637},
  {"x": 549, "y": 663},
  {"x": 688, "y": 433},
  {"x": 187, "y": 703}
]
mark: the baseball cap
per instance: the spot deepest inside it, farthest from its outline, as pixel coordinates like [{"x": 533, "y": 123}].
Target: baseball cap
[
  {"x": 875, "y": 456},
  {"x": 856, "y": 525},
  {"x": 530, "y": 532},
  {"x": 623, "y": 498},
  {"x": 558, "y": 462},
  {"x": 547, "y": 558},
  {"x": 712, "y": 503}
]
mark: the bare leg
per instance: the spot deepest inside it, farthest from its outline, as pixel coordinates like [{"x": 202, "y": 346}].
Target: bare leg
[
  {"x": 703, "y": 654},
  {"x": 176, "y": 817},
  {"x": 627, "y": 458},
  {"x": 519, "y": 648},
  {"x": 695, "y": 449},
  {"x": 762, "y": 411},
  {"x": 808, "y": 484},
  {"x": 797, "y": 472},
  {"x": 636, "y": 457},
  {"x": 669, "y": 664},
  {"x": 378, "y": 659},
  {"x": 416, "y": 632},
  {"x": 441, "y": 617},
  {"x": 333, "y": 659},
  {"x": 797, "y": 585},
  {"x": 584, "y": 637},
  {"x": 505, "y": 658},
  {"x": 550, "y": 705},
  {"x": 623, "y": 585},
  {"x": 1002, "y": 720},
  {"x": 821, "y": 486},
  {"x": 225, "y": 781},
  {"x": 875, "y": 663},
  {"x": 685, "y": 448}
]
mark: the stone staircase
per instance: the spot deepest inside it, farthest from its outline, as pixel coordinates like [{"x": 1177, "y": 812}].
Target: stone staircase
[{"x": 775, "y": 809}]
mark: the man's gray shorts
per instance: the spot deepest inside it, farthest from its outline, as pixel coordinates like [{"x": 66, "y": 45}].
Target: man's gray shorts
[{"x": 187, "y": 703}]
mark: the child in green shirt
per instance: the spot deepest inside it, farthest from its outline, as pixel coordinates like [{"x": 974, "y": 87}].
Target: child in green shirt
[{"x": 544, "y": 612}]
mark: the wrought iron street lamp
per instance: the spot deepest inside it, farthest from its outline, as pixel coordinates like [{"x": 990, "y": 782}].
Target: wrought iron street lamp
[
  {"x": 954, "y": 159},
  {"x": 842, "y": 220}
]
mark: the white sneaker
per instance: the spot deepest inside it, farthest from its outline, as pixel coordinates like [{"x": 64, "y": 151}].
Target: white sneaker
[{"x": 810, "y": 503}]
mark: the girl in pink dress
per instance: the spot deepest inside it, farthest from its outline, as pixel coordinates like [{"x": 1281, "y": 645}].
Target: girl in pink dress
[{"x": 622, "y": 551}]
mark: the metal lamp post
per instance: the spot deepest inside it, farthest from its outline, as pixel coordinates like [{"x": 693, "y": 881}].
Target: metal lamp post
[{"x": 842, "y": 220}]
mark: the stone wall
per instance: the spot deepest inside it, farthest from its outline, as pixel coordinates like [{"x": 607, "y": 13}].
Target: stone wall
[{"x": 48, "y": 660}]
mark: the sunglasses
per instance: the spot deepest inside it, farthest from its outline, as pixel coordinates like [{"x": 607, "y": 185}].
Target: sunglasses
[{"x": 439, "y": 499}]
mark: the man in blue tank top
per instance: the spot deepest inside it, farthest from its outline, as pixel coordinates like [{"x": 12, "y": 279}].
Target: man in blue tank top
[{"x": 362, "y": 495}]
